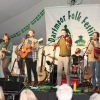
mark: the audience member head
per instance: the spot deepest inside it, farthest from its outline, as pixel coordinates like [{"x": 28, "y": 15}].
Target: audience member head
[
  {"x": 27, "y": 94},
  {"x": 95, "y": 96},
  {"x": 64, "y": 92},
  {"x": 2, "y": 97}
]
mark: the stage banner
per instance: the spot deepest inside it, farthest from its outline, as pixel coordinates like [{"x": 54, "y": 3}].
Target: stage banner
[{"x": 80, "y": 21}]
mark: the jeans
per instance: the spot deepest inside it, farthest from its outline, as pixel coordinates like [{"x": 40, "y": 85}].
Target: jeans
[
  {"x": 95, "y": 67},
  {"x": 97, "y": 64},
  {"x": 5, "y": 63},
  {"x": 21, "y": 65},
  {"x": 31, "y": 66}
]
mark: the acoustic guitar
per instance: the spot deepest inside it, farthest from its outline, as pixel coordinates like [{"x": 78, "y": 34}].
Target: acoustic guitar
[
  {"x": 87, "y": 73},
  {"x": 42, "y": 73},
  {"x": 26, "y": 49},
  {"x": 2, "y": 53}
]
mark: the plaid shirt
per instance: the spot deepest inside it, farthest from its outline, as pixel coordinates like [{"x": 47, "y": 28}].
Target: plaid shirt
[{"x": 35, "y": 52}]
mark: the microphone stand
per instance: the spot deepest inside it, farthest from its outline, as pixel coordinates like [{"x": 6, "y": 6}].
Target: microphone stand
[
  {"x": 52, "y": 65},
  {"x": 81, "y": 77},
  {"x": 18, "y": 57},
  {"x": 52, "y": 68}
]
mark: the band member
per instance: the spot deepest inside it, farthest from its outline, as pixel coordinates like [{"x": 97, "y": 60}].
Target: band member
[
  {"x": 6, "y": 48},
  {"x": 20, "y": 60},
  {"x": 31, "y": 59},
  {"x": 77, "y": 61},
  {"x": 64, "y": 43},
  {"x": 93, "y": 62}
]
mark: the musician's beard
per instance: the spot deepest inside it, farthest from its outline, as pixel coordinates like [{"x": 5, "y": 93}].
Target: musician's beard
[
  {"x": 6, "y": 41},
  {"x": 31, "y": 37}
]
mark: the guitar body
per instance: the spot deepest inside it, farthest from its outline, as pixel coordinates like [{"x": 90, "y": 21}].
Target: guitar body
[
  {"x": 2, "y": 53},
  {"x": 87, "y": 73},
  {"x": 42, "y": 74},
  {"x": 25, "y": 50}
]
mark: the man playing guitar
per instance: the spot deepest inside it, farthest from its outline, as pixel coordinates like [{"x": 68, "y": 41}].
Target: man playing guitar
[
  {"x": 94, "y": 63},
  {"x": 31, "y": 55}
]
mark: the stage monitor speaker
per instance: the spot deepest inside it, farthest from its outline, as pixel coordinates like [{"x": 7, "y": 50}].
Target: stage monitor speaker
[
  {"x": 11, "y": 86},
  {"x": 17, "y": 78},
  {"x": 53, "y": 75}
]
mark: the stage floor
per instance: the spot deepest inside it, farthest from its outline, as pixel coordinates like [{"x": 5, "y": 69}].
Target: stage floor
[
  {"x": 48, "y": 93},
  {"x": 51, "y": 95},
  {"x": 43, "y": 92}
]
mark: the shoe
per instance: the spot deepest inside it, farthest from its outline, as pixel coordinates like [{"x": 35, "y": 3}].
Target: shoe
[
  {"x": 56, "y": 87},
  {"x": 29, "y": 83},
  {"x": 35, "y": 83},
  {"x": 34, "y": 87}
]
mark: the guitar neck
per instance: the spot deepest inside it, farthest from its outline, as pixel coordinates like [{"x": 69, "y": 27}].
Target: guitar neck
[{"x": 42, "y": 60}]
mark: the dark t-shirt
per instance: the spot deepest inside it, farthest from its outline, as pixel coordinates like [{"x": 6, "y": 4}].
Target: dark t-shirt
[{"x": 76, "y": 59}]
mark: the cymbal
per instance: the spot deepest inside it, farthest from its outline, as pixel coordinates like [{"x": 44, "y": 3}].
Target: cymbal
[{"x": 54, "y": 58}]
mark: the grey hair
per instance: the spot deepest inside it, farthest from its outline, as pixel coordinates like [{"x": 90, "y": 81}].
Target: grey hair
[
  {"x": 64, "y": 92},
  {"x": 27, "y": 94},
  {"x": 95, "y": 96}
]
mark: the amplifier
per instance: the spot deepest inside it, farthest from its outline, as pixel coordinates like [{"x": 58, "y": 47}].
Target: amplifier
[{"x": 11, "y": 85}]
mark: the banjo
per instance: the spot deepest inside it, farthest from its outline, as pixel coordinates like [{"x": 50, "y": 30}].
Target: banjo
[
  {"x": 3, "y": 50},
  {"x": 42, "y": 73},
  {"x": 2, "y": 53}
]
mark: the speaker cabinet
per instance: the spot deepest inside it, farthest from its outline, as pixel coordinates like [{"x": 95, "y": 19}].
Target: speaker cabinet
[{"x": 11, "y": 85}]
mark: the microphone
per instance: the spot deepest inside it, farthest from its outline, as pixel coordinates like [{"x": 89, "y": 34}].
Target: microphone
[
  {"x": 27, "y": 36},
  {"x": 91, "y": 38},
  {"x": 40, "y": 40},
  {"x": 1, "y": 40}
]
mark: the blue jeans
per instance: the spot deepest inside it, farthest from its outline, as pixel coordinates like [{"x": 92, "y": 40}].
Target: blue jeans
[
  {"x": 95, "y": 67},
  {"x": 97, "y": 64}
]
